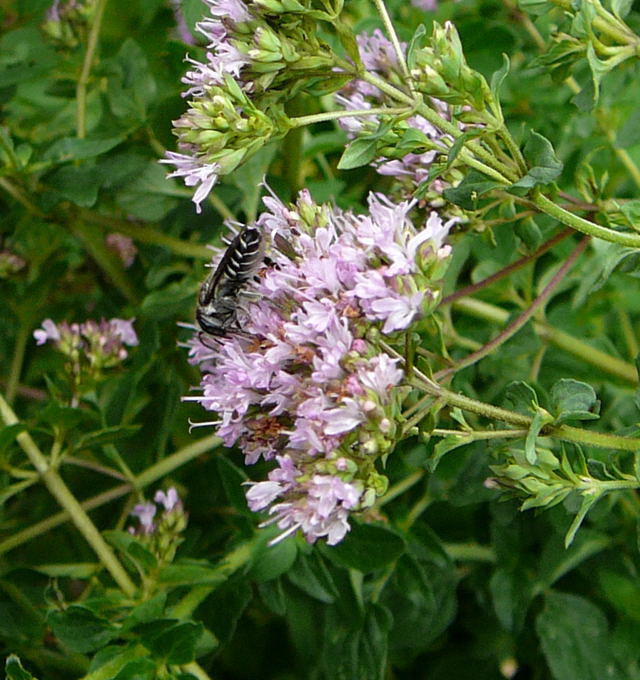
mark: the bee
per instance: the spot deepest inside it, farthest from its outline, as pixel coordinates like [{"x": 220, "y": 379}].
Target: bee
[{"x": 216, "y": 313}]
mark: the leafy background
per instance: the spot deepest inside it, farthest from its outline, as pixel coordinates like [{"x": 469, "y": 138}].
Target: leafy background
[{"x": 444, "y": 580}]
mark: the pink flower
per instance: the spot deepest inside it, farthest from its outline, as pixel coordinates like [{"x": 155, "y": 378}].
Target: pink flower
[{"x": 305, "y": 382}]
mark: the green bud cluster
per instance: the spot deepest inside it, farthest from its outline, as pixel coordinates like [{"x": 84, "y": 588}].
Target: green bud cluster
[
  {"x": 440, "y": 70},
  {"x": 225, "y": 127},
  {"x": 68, "y": 24}
]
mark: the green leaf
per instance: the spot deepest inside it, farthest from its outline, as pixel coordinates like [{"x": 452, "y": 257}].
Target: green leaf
[
  {"x": 448, "y": 443},
  {"x": 598, "y": 68},
  {"x": 544, "y": 166},
  {"x": 106, "y": 435},
  {"x": 521, "y": 396},
  {"x": 79, "y": 629},
  {"x": 359, "y": 152},
  {"x": 171, "y": 641},
  {"x": 537, "y": 424},
  {"x": 498, "y": 77},
  {"x": 131, "y": 547},
  {"x": 629, "y": 134},
  {"x": 575, "y": 639},
  {"x": 15, "y": 671},
  {"x": 622, "y": 592},
  {"x": 621, "y": 7},
  {"x": 8, "y": 433},
  {"x": 150, "y": 195},
  {"x": 470, "y": 190},
  {"x": 74, "y": 149},
  {"x": 233, "y": 478},
  {"x": 140, "y": 669},
  {"x": 360, "y": 653},
  {"x": 366, "y": 547},
  {"x": 574, "y": 400},
  {"x": 170, "y": 301},
  {"x": 131, "y": 86},
  {"x": 311, "y": 575},
  {"x": 511, "y": 592},
  {"x": 78, "y": 184},
  {"x": 557, "y": 560},
  {"x": 272, "y": 561},
  {"x": 416, "y": 42},
  {"x": 193, "y": 572},
  {"x": 249, "y": 177}
]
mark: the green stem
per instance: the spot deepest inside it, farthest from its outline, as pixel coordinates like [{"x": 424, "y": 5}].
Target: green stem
[
  {"x": 81, "y": 88},
  {"x": 68, "y": 501},
  {"x": 521, "y": 320},
  {"x": 556, "y": 337},
  {"x": 582, "y": 225},
  {"x": 13, "y": 379},
  {"x": 149, "y": 476},
  {"x": 391, "y": 32},
  {"x": 301, "y": 121},
  {"x": 469, "y": 552},
  {"x": 564, "y": 432},
  {"x": 17, "y": 194},
  {"x": 144, "y": 234}
]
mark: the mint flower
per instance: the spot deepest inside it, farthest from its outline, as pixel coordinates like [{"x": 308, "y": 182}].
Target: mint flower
[
  {"x": 90, "y": 347},
  {"x": 259, "y": 55},
  {"x": 305, "y": 382}
]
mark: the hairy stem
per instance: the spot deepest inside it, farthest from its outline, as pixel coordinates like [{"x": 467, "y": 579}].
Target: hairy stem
[
  {"x": 518, "y": 264},
  {"x": 554, "y": 336},
  {"x": 521, "y": 320}
]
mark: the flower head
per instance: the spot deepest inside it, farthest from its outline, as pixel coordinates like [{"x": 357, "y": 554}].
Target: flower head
[
  {"x": 411, "y": 169},
  {"x": 306, "y": 381}
]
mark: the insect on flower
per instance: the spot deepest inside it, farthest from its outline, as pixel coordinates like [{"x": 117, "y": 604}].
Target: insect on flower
[{"x": 218, "y": 299}]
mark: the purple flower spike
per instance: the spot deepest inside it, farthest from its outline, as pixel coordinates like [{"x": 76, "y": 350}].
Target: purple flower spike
[{"x": 305, "y": 383}]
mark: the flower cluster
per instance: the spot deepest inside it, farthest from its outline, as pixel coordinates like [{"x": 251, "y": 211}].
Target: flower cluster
[
  {"x": 410, "y": 169},
  {"x": 161, "y": 534},
  {"x": 251, "y": 47},
  {"x": 90, "y": 347},
  {"x": 306, "y": 381}
]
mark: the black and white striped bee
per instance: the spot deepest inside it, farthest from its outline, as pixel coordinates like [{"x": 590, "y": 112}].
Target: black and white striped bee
[{"x": 216, "y": 313}]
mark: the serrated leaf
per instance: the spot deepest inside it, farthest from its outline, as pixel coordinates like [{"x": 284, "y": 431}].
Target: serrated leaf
[{"x": 574, "y": 400}]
